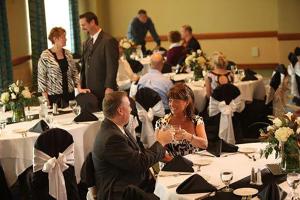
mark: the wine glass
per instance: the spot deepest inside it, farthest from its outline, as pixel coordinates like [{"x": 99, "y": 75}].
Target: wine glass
[
  {"x": 77, "y": 110},
  {"x": 293, "y": 180},
  {"x": 72, "y": 104},
  {"x": 50, "y": 119},
  {"x": 226, "y": 177}
]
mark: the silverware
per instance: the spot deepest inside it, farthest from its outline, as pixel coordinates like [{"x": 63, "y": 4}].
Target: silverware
[
  {"x": 248, "y": 155},
  {"x": 207, "y": 195},
  {"x": 173, "y": 185},
  {"x": 175, "y": 174}
]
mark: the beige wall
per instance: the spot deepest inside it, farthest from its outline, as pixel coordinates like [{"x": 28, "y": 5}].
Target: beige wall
[{"x": 19, "y": 38}]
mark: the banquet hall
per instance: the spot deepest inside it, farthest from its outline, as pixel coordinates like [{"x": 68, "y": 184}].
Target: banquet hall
[{"x": 136, "y": 99}]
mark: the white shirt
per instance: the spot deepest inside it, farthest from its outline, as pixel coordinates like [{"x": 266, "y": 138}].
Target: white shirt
[
  {"x": 174, "y": 45},
  {"x": 95, "y": 36}
]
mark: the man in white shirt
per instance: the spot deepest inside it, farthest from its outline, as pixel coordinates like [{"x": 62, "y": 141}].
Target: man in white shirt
[{"x": 155, "y": 80}]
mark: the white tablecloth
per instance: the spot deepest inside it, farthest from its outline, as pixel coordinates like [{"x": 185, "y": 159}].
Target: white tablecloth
[
  {"x": 16, "y": 152},
  {"x": 239, "y": 163},
  {"x": 249, "y": 89}
]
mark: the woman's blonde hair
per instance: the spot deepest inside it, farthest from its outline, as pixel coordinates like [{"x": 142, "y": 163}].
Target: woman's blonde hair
[
  {"x": 219, "y": 60},
  {"x": 56, "y": 32}
]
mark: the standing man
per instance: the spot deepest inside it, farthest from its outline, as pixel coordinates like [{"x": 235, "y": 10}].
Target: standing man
[
  {"x": 139, "y": 27},
  {"x": 117, "y": 158},
  {"x": 100, "y": 58}
]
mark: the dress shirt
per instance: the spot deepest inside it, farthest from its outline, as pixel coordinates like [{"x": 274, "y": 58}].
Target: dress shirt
[
  {"x": 95, "y": 36},
  {"x": 155, "y": 80}
]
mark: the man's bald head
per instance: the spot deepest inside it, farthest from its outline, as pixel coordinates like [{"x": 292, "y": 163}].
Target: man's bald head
[{"x": 157, "y": 61}]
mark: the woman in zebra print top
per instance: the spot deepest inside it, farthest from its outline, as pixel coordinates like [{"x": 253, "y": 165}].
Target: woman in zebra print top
[{"x": 57, "y": 73}]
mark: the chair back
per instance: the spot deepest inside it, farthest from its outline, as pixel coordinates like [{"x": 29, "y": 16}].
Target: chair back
[
  {"x": 53, "y": 166},
  {"x": 224, "y": 105},
  {"x": 88, "y": 101}
]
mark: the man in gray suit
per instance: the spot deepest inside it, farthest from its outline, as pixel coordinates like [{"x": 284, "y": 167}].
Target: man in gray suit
[
  {"x": 100, "y": 58},
  {"x": 117, "y": 158}
]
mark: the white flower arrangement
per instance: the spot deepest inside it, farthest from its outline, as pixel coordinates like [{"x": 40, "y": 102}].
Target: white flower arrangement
[
  {"x": 125, "y": 43},
  {"x": 197, "y": 59},
  {"x": 16, "y": 93}
]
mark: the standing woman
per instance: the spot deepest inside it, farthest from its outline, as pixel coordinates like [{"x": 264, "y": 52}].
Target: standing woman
[{"x": 57, "y": 73}]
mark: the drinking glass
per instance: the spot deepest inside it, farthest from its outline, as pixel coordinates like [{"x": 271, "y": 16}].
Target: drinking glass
[
  {"x": 2, "y": 118},
  {"x": 293, "y": 180},
  {"x": 72, "y": 104},
  {"x": 50, "y": 119},
  {"x": 77, "y": 110},
  {"x": 226, "y": 177}
]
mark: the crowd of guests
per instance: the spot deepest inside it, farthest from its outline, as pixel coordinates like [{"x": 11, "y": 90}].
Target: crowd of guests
[{"x": 118, "y": 158}]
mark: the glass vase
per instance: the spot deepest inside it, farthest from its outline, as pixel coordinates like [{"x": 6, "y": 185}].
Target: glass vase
[
  {"x": 198, "y": 73},
  {"x": 290, "y": 156},
  {"x": 18, "y": 112}
]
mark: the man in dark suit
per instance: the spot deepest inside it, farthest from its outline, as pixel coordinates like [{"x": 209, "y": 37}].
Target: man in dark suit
[
  {"x": 100, "y": 58},
  {"x": 117, "y": 158},
  {"x": 139, "y": 27}
]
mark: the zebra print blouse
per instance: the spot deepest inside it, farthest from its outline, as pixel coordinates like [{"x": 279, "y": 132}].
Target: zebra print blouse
[{"x": 50, "y": 76}]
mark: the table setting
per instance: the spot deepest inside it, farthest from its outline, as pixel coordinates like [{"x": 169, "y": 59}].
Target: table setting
[{"x": 17, "y": 139}]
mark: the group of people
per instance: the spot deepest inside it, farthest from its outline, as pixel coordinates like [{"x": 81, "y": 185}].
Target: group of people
[{"x": 118, "y": 159}]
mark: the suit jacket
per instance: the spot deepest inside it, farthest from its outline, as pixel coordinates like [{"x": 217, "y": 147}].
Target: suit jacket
[
  {"x": 119, "y": 162},
  {"x": 100, "y": 65}
]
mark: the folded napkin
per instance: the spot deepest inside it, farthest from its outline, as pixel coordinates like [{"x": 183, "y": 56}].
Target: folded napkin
[
  {"x": 85, "y": 116},
  {"x": 87, "y": 101},
  {"x": 195, "y": 184},
  {"x": 272, "y": 191},
  {"x": 39, "y": 127},
  {"x": 179, "y": 164},
  {"x": 249, "y": 75},
  {"x": 219, "y": 146},
  {"x": 293, "y": 59}
]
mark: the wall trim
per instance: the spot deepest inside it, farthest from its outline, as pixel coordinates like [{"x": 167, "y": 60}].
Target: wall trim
[
  {"x": 20, "y": 60},
  {"x": 238, "y": 35},
  {"x": 258, "y": 65}
]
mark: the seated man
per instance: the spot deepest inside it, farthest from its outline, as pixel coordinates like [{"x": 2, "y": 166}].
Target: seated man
[
  {"x": 155, "y": 80},
  {"x": 190, "y": 43},
  {"x": 117, "y": 158}
]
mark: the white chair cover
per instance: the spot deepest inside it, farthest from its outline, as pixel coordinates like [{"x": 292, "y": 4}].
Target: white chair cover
[
  {"x": 132, "y": 125},
  {"x": 133, "y": 90},
  {"x": 226, "y": 131},
  {"x": 147, "y": 132},
  {"x": 271, "y": 92},
  {"x": 293, "y": 71},
  {"x": 55, "y": 168}
]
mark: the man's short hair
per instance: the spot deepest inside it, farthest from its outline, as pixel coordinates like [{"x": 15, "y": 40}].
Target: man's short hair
[
  {"x": 174, "y": 36},
  {"x": 112, "y": 102},
  {"x": 142, "y": 12},
  {"x": 89, "y": 16},
  {"x": 187, "y": 28}
]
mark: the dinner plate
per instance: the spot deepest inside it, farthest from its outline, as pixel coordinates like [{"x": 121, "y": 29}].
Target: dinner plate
[
  {"x": 245, "y": 192},
  {"x": 20, "y": 130},
  {"x": 247, "y": 150},
  {"x": 202, "y": 162}
]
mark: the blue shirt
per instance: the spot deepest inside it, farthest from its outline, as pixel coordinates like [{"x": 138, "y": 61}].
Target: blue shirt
[{"x": 155, "y": 80}]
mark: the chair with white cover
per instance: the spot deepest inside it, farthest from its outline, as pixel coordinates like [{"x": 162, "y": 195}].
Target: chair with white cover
[
  {"x": 53, "y": 166},
  {"x": 150, "y": 108},
  {"x": 87, "y": 176},
  {"x": 276, "y": 95},
  {"x": 294, "y": 72},
  {"x": 225, "y": 104}
]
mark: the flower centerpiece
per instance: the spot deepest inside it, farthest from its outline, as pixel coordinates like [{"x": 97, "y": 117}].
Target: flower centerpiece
[
  {"x": 283, "y": 137},
  {"x": 128, "y": 47},
  {"x": 16, "y": 97},
  {"x": 199, "y": 63}
]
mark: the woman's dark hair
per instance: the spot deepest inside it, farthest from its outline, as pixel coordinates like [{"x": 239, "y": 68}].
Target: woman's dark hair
[
  {"x": 89, "y": 16},
  {"x": 142, "y": 12},
  {"x": 183, "y": 92},
  {"x": 174, "y": 36}
]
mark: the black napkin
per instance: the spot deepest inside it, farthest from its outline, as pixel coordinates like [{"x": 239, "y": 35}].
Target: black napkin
[
  {"x": 85, "y": 116},
  {"x": 195, "y": 184},
  {"x": 297, "y": 51},
  {"x": 88, "y": 101},
  {"x": 249, "y": 75},
  {"x": 293, "y": 58},
  {"x": 39, "y": 127},
  {"x": 179, "y": 164},
  {"x": 219, "y": 146},
  {"x": 272, "y": 192}
]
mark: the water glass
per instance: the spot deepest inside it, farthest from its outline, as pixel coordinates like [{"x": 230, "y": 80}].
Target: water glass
[
  {"x": 72, "y": 104},
  {"x": 3, "y": 120},
  {"x": 77, "y": 110},
  {"x": 50, "y": 119},
  {"x": 226, "y": 177},
  {"x": 2, "y": 125},
  {"x": 293, "y": 180}
]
